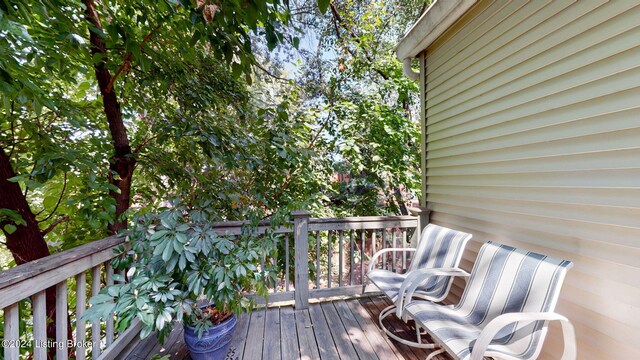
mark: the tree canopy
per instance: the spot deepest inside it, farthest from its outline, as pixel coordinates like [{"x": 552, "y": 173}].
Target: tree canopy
[
  {"x": 247, "y": 109},
  {"x": 110, "y": 107}
]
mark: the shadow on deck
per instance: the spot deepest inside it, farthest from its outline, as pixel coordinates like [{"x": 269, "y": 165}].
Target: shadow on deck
[{"x": 339, "y": 329}]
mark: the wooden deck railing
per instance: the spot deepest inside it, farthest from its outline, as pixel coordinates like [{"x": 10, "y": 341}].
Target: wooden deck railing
[
  {"x": 31, "y": 280},
  {"x": 338, "y": 248}
]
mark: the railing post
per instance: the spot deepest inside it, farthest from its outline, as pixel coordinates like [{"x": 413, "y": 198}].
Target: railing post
[
  {"x": 301, "y": 246},
  {"x": 423, "y": 220}
]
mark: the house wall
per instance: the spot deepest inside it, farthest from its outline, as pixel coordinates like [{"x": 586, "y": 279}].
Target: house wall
[{"x": 533, "y": 139}]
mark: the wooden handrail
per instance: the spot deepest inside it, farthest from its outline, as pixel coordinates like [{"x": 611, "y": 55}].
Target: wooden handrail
[
  {"x": 323, "y": 224},
  {"x": 362, "y": 223},
  {"x": 27, "y": 279}
]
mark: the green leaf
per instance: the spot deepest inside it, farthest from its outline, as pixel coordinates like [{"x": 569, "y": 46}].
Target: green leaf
[
  {"x": 323, "y": 5},
  {"x": 168, "y": 251},
  {"x": 10, "y": 228}
]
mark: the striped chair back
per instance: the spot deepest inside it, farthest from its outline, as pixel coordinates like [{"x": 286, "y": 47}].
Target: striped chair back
[
  {"x": 439, "y": 247},
  {"x": 506, "y": 280}
]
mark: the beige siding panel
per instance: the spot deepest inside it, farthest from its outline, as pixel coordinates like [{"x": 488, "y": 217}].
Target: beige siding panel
[
  {"x": 584, "y": 196},
  {"x": 559, "y": 42},
  {"x": 620, "y": 240},
  {"x": 548, "y": 96},
  {"x": 608, "y": 262},
  {"x": 593, "y": 107},
  {"x": 533, "y": 123},
  {"x": 506, "y": 229},
  {"x": 595, "y": 344},
  {"x": 522, "y": 21},
  {"x": 575, "y": 52},
  {"x": 584, "y": 80},
  {"x": 593, "y": 276},
  {"x": 483, "y": 18},
  {"x": 610, "y": 159},
  {"x": 605, "y": 178},
  {"x": 591, "y": 321},
  {"x": 601, "y": 215},
  {"x": 487, "y": 153}
]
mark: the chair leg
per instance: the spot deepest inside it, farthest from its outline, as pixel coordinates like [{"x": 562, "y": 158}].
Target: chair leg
[
  {"x": 434, "y": 353},
  {"x": 419, "y": 344}
]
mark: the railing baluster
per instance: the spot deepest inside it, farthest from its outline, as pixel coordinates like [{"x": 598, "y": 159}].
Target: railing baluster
[
  {"x": 394, "y": 245},
  {"x": 274, "y": 262},
  {"x": 81, "y": 305},
  {"x": 39, "y": 325},
  {"x": 340, "y": 256},
  {"x": 373, "y": 241},
  {"x": 109, "y": 327},
  {"x": 61, "y": 320},
  {"x": 318, "y": 261},
  {"x": 12, "y": 332},
  {"x": 287, "y": 264},
  {"x": 384, "y": 246},
  {"x": 329, "y": 259},
  {"x": 362, "y": 238},
  {"x": 404, "y": 253},
  {"x": 351, "y": 260},
  {"x": 95, "y": 325}
]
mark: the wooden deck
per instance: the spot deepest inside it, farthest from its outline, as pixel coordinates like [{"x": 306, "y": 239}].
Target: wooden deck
[{"x": 339, "y": 329}]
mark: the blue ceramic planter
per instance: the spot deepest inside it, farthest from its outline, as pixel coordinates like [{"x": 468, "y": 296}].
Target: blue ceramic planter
[{"x": 214, "y": 343}]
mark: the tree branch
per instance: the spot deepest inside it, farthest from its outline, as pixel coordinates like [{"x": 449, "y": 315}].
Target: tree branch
[
  {"x": 126, "y": 65},
  {"x": 26, "y": 187},
  {"x": 339, "y": 20},
  {"x": 269, "y": 73},
  {"x": 143, "y": 144},
  {"x": 123, "y": 162},
  {"x": 287, "y": 182},
  {"x": 53, "y": 225},
  {"x": 64, "y": 187},
  {"x": 319, "y": 132}
]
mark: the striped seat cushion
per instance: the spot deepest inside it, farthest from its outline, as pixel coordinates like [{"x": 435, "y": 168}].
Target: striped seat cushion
[
  {"x": 503, "y": 280},
  {"x": 387, "y": 281},
  {"x": 439, "y": 247}
]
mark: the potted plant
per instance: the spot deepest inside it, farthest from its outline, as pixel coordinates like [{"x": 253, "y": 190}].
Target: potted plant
[{"x": 181, "y": 270}]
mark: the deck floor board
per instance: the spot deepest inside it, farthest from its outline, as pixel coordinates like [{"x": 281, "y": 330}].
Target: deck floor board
[
  {"x": 288, "y": 334},
  {"x": 326, "y": 346},
  {"x": 341, "y": 329},
  {"x": 271, "y": 348},
  {"x": 255, "y": 337}
]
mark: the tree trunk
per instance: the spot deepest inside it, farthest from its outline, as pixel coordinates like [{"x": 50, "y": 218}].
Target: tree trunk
[
  {"x": 122, "y": 163},
  {"x": 401, "y": 205},
  {"x": 26, "y": 243}
]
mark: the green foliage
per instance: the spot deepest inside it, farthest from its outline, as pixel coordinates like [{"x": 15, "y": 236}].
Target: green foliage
[
  {"x": 231, "y": 146},
  {"x": 370, "y": 120},
  {"x": 323, "y": 5},
  {"x": 52, "y": 122},
  {"x": 176, "y": 259}
]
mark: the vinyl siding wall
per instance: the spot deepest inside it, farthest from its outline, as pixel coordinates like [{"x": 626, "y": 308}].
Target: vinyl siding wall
[{"x": 533, "y": 140}]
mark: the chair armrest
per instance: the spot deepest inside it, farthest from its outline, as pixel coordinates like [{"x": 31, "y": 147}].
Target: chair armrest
[
  {"x": 495, "y": 325},
  {"x": 417, "y": 278},
  {"x": 375, "y": 256}
]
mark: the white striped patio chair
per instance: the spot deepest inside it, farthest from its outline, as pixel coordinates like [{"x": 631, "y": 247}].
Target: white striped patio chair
[
  {"x": 504, "y": 310},
  {"x": 436, "y": 259}
]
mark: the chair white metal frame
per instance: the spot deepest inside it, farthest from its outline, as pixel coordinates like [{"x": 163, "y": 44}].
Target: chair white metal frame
[
  {"x": 428, "y": 277},
  {"x": 504, "y": 310}
]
